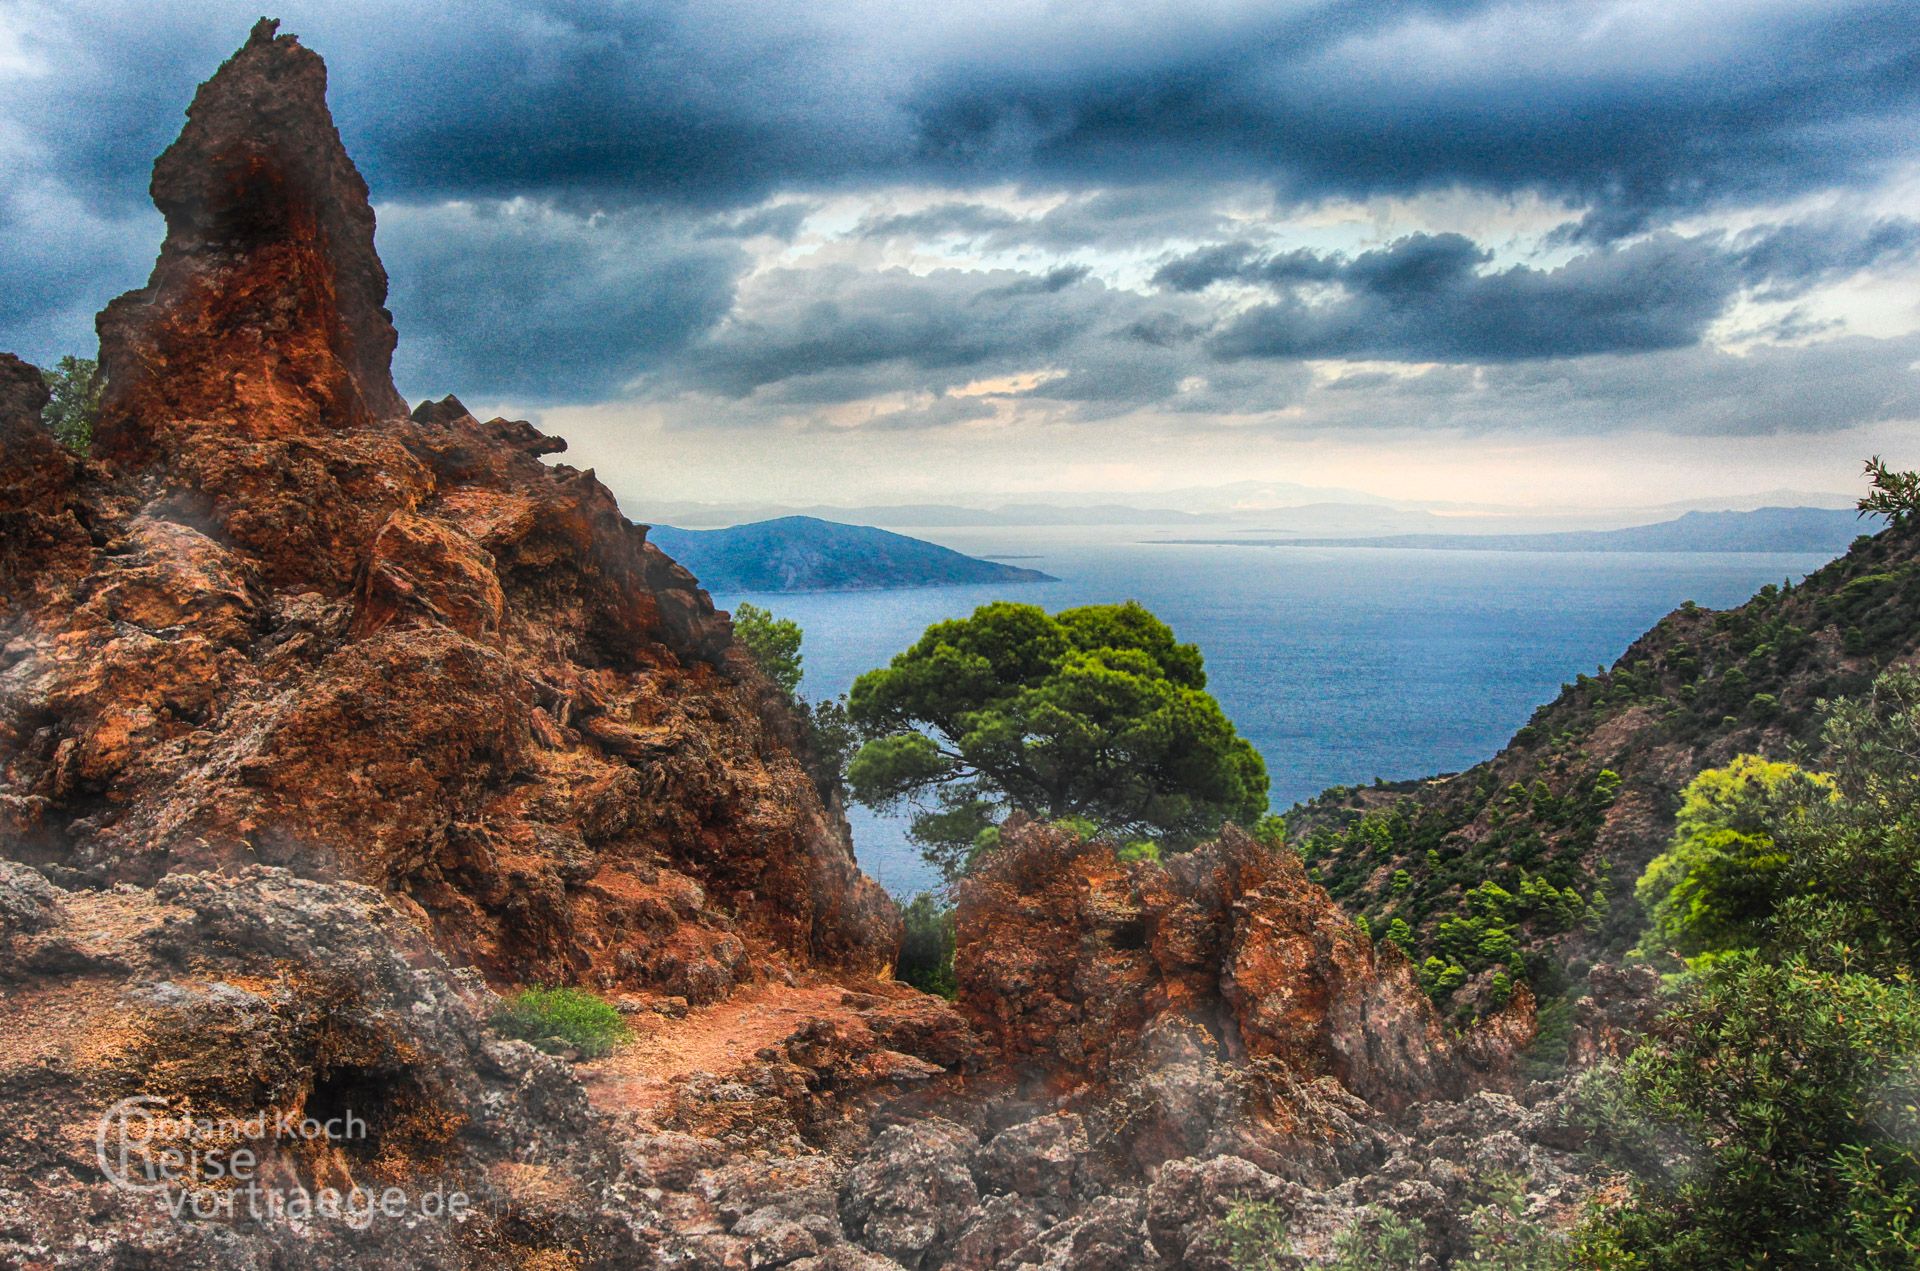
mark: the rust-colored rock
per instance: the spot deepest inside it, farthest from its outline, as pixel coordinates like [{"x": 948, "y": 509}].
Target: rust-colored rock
[
  {"x": 1068, "y": 955},
  {"x": 278, "y": 620},
  {"x": 266, "y": 310},
  {"x": 41, "y": 527}
]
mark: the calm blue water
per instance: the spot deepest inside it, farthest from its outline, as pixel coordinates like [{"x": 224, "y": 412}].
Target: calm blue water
[{"x": 1339, "y": 664}]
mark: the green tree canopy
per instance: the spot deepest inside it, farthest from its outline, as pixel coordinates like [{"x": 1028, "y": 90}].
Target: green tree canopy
[
  {"x": 1719, "y": 881},
  {"x": 75, "y": 383},
  {"x": 1095, "y": 713},
  {"x": 773, "y": 643}
]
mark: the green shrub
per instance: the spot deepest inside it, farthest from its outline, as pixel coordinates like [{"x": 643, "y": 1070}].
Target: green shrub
[
  {"x": 554, "y": 1019},
  {"x": 1379, "y": 1240},
  {"x": 773, "y": 643},
  {"x": 1503, "y": 1237},
  {"x": 1718, "y": 882},
  {"x": 76, "y": 385},
  {"x": 1256, "y": 1236},
  {"x": 926, "y": 946},
  {"x": 1791, "y": 1094},
  {"x": 1271, "y": 829}
]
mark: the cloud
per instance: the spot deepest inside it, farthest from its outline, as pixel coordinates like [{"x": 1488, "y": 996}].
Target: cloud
[
  {"x": 1784, "y": 261},
  {"x": 526, "y": 302},
  {"x": 890, "y": 330},
  {"x": 1828, "y": 386},
  {"x": 1629, "y": 109},
  {"x": 1435, "y": 297},
  {"x": 698, "y": 203}
]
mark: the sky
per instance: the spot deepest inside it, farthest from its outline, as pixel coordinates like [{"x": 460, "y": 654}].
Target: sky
[{"x": 1600, "y": 253}]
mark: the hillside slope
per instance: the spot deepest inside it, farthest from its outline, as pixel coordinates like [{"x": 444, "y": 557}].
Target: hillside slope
[
  {"x": 1565, "y": 817},
  {"x": 803, "y": 553}
]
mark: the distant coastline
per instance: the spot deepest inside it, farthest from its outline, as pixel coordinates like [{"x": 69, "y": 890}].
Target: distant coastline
[{"x": 1828, "y": 530}]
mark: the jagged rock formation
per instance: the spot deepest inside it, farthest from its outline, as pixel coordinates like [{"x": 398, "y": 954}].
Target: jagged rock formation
[
  {"x": 282, "y": 622},
  {"x": 265, "y": 311},
  {"x": 320, "y": 721}
]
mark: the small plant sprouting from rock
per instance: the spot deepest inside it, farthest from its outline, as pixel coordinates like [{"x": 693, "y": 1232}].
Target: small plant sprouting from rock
[
  {"x": 1256, "y": 1235},
  {"x": 559, "y": 1019}
]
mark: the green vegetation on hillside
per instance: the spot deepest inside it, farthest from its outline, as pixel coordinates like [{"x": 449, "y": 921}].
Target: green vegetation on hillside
[
  {"x": 1094, "y": 713},
  {"x": 1772, "y": 1116},
  {"x": 1523, "y": 868},
  {"x": 805, "y": 553}
]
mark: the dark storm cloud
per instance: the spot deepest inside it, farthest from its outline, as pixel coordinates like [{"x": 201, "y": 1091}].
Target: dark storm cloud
[
  {"x": 1632, "y": 109},
  {"x": 533, "y": 304},
  {"x": 1423, "y": 299},
  {"x": 1786, "y": 260}
]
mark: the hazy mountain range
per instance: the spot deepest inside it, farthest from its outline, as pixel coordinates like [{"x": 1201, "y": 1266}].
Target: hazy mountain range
[
  {"x": 1824, "y": 530},
  {"x": 1277, "y": 508}
]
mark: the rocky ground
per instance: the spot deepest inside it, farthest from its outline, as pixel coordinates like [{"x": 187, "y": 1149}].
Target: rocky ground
[{"x": 323, "y": 722}]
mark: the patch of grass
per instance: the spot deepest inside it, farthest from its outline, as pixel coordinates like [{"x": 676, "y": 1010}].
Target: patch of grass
[{"x": 555, "y": 1019}]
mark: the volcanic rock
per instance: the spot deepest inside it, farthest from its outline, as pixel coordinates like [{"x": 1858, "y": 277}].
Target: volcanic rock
[
  {"x": 1069, "y": 955},
  {"x": 283, "y": 622}
]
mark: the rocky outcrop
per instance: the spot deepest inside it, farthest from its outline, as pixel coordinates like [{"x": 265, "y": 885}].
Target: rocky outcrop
[
  {"x": 266, "y": 310},
  {"x": 254, "y": 1002},
  {"x": 1071, "y": 956},
  {"x": 280, "y": 621}
]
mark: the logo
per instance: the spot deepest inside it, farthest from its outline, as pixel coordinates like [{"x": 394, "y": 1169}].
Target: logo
[{"x": 208, "y": 1168}]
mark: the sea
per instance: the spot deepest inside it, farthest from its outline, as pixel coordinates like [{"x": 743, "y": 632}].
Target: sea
[{"x": 1341, "y": 665}]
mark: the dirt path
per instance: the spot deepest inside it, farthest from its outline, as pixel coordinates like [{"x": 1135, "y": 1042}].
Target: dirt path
[{"x": 638, "y": 1077}]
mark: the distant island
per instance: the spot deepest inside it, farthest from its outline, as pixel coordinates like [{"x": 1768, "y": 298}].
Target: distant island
[
  {"x": 805, "y": 553},
  {"x": 1823, "y": 530}
]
